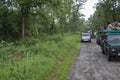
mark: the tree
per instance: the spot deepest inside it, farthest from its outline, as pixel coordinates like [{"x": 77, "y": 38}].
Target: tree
[
  {"x": 75, "y": 17},
  {"x": 23, "y": 18},
  {"x": 106, "y": 10}
]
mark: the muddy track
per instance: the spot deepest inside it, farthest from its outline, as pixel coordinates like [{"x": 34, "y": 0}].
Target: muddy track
[{"x": 91, "y": 64}]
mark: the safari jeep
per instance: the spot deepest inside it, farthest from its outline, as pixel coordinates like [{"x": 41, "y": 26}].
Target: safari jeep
[{"x": 110, "y": 45}]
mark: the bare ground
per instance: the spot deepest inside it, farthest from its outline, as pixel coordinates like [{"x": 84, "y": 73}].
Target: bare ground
[{"x": 91, "y": 64}]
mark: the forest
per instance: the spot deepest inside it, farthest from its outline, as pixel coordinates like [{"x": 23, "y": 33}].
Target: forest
[
  {"x": 28, "y": 18},
  {"x": 39, "y": 39}
]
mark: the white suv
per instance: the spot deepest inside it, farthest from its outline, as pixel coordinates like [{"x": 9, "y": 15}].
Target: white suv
[{"x": 86, "y": 37}]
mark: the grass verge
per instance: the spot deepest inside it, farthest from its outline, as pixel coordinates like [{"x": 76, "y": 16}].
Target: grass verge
[
  {"x": 49, "y": 54},
  {"x": 61, "y": 70}
]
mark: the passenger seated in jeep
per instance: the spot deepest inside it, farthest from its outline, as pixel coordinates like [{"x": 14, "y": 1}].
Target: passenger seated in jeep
[
  {"x": 116, "y": 26},
  {"x": 109, "y": 26}
]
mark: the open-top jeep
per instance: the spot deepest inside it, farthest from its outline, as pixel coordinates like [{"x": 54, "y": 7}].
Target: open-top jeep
[{"x": 110, "y": 43}]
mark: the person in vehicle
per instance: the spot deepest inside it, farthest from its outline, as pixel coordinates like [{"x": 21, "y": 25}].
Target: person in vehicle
[
  {"x": 117, "y": 25},
  {"x": 109, "y": 26}
]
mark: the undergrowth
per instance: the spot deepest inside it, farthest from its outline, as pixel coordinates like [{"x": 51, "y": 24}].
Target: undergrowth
[{"x": 39, "y": 58}]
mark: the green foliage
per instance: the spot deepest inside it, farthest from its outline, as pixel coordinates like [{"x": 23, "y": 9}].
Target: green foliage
[
  {"x": 23, "y": 18},
  {"x": 39, "y": 59},
  {"x": 106, "y": 11},
  {"x": 63, "y": 69}
]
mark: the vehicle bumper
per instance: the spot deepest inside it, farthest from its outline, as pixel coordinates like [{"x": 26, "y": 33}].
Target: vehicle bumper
[
  {"x": 86, "y": 40},
  {"x": 114, "y": 53}
]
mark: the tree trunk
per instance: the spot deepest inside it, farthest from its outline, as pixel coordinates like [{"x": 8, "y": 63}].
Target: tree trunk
[
  {"x": 52, "y": 26},
  {"x": 23, "y": 27},
  {"x": 61, "y": 25},
  {"x": 74, "y": 23}
]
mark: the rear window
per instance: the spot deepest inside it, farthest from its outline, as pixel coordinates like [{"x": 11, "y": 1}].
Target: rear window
[{"x": 85, "y": 34}]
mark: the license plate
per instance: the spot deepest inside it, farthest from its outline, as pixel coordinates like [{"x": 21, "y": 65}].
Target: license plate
[{"x": 85, "y": 40}]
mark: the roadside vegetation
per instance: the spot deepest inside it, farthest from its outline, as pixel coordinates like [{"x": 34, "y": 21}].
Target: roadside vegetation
[
  {"x": 39, "y": 39},
  {"x": 43, "y": 58}
]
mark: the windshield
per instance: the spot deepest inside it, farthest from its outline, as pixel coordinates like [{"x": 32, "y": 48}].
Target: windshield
[
  {"x": 114, "y": 38},
  {"x": 85, "y": 34}
]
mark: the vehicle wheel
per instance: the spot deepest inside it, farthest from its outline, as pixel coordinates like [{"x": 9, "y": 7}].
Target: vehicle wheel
[
  {"x": 103, "y": 51},
  {"x": 98, "y": 42},
  {"x": 90, "y": 41},
  {"x": 109, "y": 57}
]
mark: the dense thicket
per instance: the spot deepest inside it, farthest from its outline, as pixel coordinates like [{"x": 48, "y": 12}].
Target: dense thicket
[
  {"x": 106, "y": 11},
  {"x": 26, "y": 18}
]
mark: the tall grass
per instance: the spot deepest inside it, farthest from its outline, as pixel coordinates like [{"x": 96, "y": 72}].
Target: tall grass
[{"x": 39, "y": 59}]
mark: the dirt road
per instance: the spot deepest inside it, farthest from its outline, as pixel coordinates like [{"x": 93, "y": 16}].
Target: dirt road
[{"x": 91, "y": 64}]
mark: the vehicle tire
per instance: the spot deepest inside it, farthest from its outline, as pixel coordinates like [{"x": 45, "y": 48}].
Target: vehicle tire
[
  {"x": 90, "y": 41},
  {"x": 103, "y": 51},
  {"x": 109, "y": 57}
]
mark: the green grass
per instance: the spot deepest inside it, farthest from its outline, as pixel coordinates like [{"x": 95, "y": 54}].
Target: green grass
[
  {"x": 62, "y": 69},
  {"x": 42, "y": 57},
  {"x": 65, "y": 67}
]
